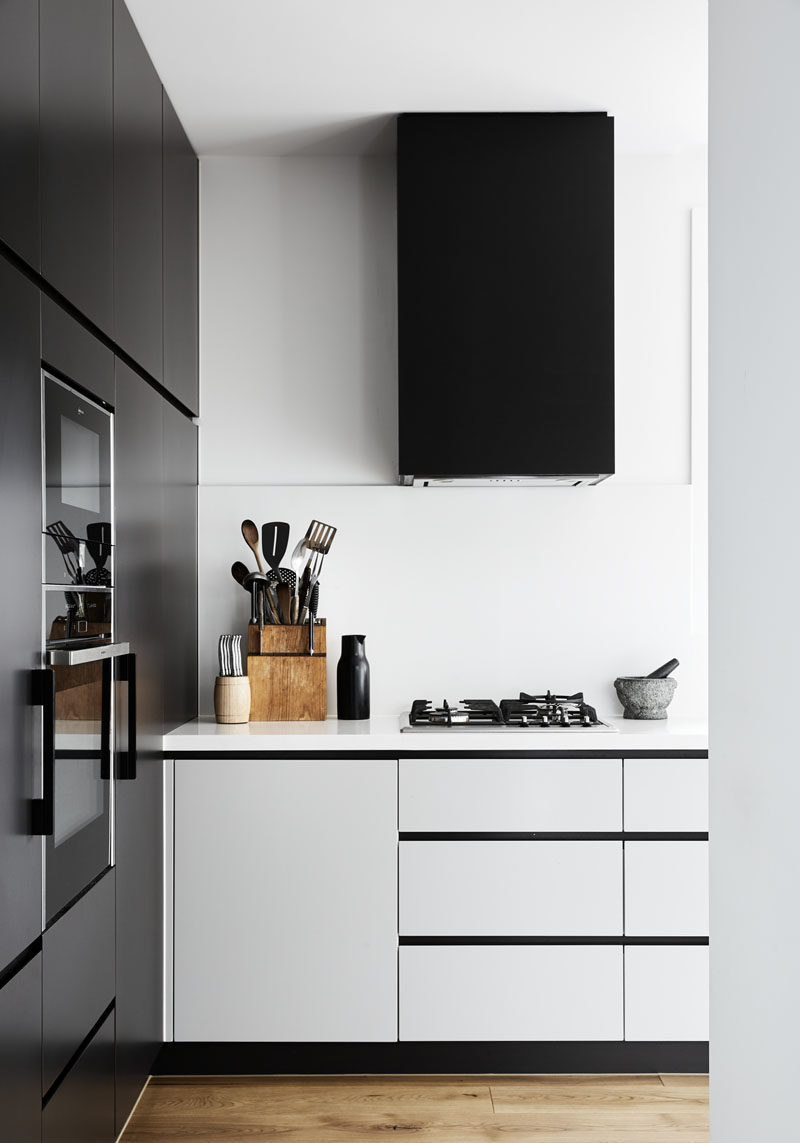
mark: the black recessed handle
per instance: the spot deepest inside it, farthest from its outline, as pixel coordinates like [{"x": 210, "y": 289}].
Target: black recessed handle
[
  {"x": 126, "y": 759},
  {"x": 44, "y": 695},
  {"x": 105, "y": 720}
]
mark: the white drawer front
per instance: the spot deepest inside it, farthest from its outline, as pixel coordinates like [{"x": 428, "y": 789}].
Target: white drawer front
[
  {"x": 666, "y": 993},
  {"x": 510, "y": 795},
  {"x": 666, "y": 794},
  {"x": 510, "y": 888},
  {"x": 527, "y": 992},
  {"x": 666, "y": 888}
]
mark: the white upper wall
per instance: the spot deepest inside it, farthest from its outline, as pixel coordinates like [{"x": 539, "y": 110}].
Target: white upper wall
[{"x": 299, "y": 328}]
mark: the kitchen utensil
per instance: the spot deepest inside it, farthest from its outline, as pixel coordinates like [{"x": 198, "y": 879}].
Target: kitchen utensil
[
  {"x": 313, "y": 604},
  {"x": 319, "y": 539},
  {"x": 300, "y": 557},
  {"x": 70, "y": 548},
  {"x": 274, "y": 538},
  {"x": 284, "y": 593},
  {"x": 663, "y": 672},
  {"x": 98, "y": 546},
  {"x": 272, "y": 596},
  {"x": 250, "y": 534},
  {"x": 644, "y": 698},
  {"x": 256, "y": 582},
  {"x": 239, "y": 572}
]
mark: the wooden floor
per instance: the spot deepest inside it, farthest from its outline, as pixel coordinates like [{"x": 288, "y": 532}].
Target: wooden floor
[{"x": 433, "y": 1109}]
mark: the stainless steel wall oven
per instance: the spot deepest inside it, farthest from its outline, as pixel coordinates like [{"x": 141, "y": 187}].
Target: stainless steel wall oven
[{"x": 85, "y": 672}]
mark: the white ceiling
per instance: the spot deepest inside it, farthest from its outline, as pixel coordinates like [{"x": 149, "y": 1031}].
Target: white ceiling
[{"x": 276, "y": 77}]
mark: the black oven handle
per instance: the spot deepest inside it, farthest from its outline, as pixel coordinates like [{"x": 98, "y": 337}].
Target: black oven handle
[
  {"x": 105, "y": 721},
  {"x": 44, "y": 695},
  {"x": 126, "y": 759}
]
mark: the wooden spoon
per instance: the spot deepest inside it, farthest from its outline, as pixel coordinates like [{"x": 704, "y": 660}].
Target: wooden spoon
[
  {"x": 250, "y": 533},
  {"x": 239, "y": 572}
]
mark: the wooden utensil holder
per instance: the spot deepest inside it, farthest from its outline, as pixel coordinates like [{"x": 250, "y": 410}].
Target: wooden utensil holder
[
  {"x": 286, "y": 683},
  {"x": 232, "y": 698}
]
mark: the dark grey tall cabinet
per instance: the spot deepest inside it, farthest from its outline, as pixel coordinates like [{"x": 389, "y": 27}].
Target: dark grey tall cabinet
[
  {"x": 139, "y": 457},
  {"x": 98, "y": 282}
]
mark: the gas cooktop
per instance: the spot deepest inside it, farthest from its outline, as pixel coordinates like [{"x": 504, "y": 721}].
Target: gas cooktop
[{"x": 528, "y": 712}]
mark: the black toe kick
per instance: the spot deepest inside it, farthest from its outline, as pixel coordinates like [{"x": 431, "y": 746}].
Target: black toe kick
[{"x": 432, "y": 1058}]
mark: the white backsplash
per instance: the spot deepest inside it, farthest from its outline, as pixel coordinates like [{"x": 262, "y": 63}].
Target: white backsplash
[{"x": 467, "y": 593}]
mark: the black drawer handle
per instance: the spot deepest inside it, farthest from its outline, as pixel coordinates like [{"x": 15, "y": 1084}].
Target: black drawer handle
[{"x": 44, "y": 695}]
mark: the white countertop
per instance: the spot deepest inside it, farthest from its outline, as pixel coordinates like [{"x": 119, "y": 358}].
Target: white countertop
[{"x": 384, "y": 734}]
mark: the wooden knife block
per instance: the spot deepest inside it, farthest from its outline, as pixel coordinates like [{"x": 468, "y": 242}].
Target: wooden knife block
[{"x": 286, "y": 683}]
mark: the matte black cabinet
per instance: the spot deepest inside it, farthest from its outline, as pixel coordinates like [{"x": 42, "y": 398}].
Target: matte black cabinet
[
  {"x": 138, "y": 282},
  {"x": 77, "y": 154},
  {"x": 139, "y": 805},
  {"x": 71, "y": 351},
  {"x": 20, "y": 561},
  {"x": 179, "y": 637},
  {"x": 180, "y": 261},
  {"x": 21, "y": 1054},
  {"x": 19, "y": 128}
]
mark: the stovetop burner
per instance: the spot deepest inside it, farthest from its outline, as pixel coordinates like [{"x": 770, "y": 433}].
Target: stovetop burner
[{"x": 528, "y": 712}]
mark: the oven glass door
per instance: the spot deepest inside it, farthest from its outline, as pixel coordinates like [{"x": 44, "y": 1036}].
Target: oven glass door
[
  {"x": 79, "y": 847},
  {"x": 77, "y": 467}
]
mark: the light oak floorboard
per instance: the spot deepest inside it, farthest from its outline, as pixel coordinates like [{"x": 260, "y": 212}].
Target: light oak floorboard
[{"x": 445, "y": 1109}]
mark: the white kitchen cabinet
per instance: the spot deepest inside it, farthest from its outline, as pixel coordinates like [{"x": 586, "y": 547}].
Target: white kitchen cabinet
[
  {"x": 285, "y": 900},
  {"x": 666, "y": 795},
  {"x": 510, "y": 888},
  {"x": 666, "y": 993},
  {"x": 666, "y": 888},
  {"x": 463, "y": 795},
  {"x": 520, "y": 992}
]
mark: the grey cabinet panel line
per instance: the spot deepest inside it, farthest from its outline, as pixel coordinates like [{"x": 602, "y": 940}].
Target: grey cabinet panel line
[
  {"x": 138, "y": 286},
  {"x": 139, "y": 809},
  {"x": 21, "y": 1054},
  {"x": 72, "y": 351},
  {"x": 179, "y": 583},
  {"x": 19, "y": 128},
  {"x": 82, "y": 1107},
  {"x": 20, "y": 561},
  {"x": 77, "y": 154},
  {"x": 77, "y": 976},
  {"x": 180, "y": 262}
]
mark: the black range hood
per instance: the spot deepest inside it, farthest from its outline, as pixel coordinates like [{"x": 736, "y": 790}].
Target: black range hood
[{"x": 506, "y": 298}]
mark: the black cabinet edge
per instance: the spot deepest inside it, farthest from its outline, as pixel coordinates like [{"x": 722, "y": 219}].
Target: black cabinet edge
[
  {"x": 621, "y": 835},
  {"x": 431, "y": 1058},
  {"x": 20, "y": 962},
  {"x": 619, "y": 940},
  {"x": 402, "y": 755},
  {"x": 74, "y": 900},
  {"x": 33, "y": 275}
]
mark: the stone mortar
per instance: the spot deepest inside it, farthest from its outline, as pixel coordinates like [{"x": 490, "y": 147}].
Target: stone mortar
[{"x": 645, "y": 698}]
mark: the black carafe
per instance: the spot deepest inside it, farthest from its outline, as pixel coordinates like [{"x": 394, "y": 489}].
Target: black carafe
[{"x": 352, "y": 679}]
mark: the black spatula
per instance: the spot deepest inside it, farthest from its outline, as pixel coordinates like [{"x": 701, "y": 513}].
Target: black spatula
[{"x": 274, "y": 541}]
